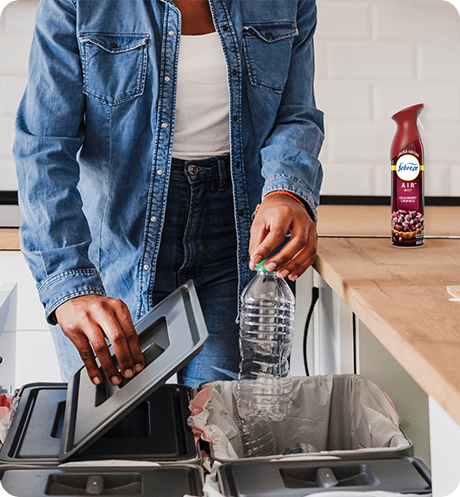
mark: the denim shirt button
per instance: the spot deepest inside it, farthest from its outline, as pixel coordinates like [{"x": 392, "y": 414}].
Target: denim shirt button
[
  {"x": 146, "y": 267},
  {"x": 171, "y": 33},
  {"x": 235, "y": 118},
  {"x": 225, "y": 28},
  {"x": 167, "y": 78},
  {"x": 244, "y": 259},
  {"x": 294, "y": 25},
  {"x": 164, "y": 125},
  {"x": 159, "y": 172},
  {"x": 113, "y": 45},
  {"x": 237, "y": 164},
  {"x": 234, "y": 72},
  {"x": 153, "y": 219},
  {"x": 241, "y": 212}
]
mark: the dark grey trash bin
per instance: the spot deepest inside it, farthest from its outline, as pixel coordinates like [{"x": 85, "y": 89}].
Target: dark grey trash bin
[
  {"x": 350, "y": 422},
  {"x": 142, "y": 419}
]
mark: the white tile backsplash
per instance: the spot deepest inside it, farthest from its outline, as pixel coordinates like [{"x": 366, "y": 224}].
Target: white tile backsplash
[
  {"x": 320, "y": 60},
  {"x": 331, "y": 25},
  {"x": 345, "y": 100},
  {"x": 2, "y": 21},
  {"x": 441, "y": 144},
  {"x": 20, "y": 17},
  {"x": 440, "y": 106},
  {"x": 6, "y": 136},
  {"x": 455, "y": 180},
  {"x": 438, "y": 180},
  {"x": 371, "y": 61},
  {"x": 358, "y": 178},
  {"x": 8, "y": 180},
  {"x": 14, "y": 54},
  {"x": 382, "y": 179},
  {"x": 424, "y": 22},
  {"x": 362, "y": 143},
  {"x": 373, "y": 58},
  {"x": 439, "y": 62},
  {"x": 408, "y": 53},
  {"x": 11, "y": 91}
]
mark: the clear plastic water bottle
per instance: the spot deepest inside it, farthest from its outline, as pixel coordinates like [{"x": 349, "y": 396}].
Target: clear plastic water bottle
[
  {"x": 266, "y": 327},
  {"x": 257, "y": 437}
]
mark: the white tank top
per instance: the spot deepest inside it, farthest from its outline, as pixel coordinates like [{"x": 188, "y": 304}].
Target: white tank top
[{"x": 202, "y": 99}]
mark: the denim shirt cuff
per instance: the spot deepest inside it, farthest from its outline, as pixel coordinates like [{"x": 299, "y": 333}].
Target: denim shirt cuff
[
  {"x": 297, "y": 188},
  {"x": 67, "y": 285}
]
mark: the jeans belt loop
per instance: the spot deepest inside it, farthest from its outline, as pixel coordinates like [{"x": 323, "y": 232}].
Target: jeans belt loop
[{"x": 221, "y": 167}]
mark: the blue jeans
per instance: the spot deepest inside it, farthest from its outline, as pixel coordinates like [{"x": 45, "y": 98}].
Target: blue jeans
[{"x": 198, "y": 243}]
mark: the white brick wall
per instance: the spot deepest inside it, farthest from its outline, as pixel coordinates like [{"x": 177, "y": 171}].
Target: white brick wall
[
  {"x": 373, "y": 57},
  {"x": 16, "y": 26}
]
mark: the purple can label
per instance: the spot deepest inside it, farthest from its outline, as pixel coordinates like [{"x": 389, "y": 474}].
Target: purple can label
[{"x": 407, "y": 203}]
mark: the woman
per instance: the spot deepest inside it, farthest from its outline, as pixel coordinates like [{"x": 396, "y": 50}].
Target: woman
[{"x": 149, "y": 132}]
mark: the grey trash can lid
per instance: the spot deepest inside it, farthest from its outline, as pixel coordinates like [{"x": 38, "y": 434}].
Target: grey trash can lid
[{"x": 170, "y": 335}]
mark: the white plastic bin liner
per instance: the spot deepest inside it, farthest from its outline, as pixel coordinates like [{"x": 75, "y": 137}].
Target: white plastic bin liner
[{"x": 338, "y": 414}]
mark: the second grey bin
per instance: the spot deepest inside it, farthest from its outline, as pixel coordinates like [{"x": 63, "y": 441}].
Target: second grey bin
[{"x": 350, "y": 422}]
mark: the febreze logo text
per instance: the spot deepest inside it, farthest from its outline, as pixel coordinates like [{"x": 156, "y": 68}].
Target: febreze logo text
[{"x": 407, "y": 167}]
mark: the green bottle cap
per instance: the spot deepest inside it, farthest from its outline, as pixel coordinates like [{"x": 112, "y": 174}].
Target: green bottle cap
[{"x": 261, "y": 267}]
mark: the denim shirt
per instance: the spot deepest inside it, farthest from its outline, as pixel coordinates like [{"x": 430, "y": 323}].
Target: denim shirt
[{"x": 94, "y": 134}]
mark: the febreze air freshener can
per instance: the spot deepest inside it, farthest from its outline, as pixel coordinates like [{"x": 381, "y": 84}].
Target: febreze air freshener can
[{"x": 407, "y": 189}]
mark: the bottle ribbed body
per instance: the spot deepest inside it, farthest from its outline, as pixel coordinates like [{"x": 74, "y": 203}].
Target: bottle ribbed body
[
  {"x": 257, "y": 437},
  {"x": 266, "y": 327}
]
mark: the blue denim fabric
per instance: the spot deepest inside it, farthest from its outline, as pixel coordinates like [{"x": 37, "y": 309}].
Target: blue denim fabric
[
  {"x": 95, "y": 128},
  {"x": 199, "y": 243},
  {"x": 69, "y": 359}
]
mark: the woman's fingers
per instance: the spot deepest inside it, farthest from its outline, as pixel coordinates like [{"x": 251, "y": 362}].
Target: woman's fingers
[
  {"x": 87, "y": 321},
  {"x": 278, "y": 216}
]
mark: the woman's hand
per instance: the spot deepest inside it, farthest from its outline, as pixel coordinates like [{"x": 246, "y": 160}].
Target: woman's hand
[
  {"x": 87, "y": 321},
  {"x": 278, "y": 215}
]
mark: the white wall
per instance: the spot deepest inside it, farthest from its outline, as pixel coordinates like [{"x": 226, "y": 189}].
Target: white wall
[
  {"x": 36, "y": 358},
  {"x": 373, "y": 57},
  {"x": 445, "y": 440},
  {"x": 16, "y": 25}
]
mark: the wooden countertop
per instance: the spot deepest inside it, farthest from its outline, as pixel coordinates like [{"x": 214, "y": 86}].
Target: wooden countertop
[
  {"x": 400, "y": 294},
  {"x": 374, "y": 220},
  {"x": 9, "y": 239}
]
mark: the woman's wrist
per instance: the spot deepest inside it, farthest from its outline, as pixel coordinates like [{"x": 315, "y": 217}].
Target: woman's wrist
[
  {"x": 280, "y": 192},
  {"x": 284, "y": 192}
]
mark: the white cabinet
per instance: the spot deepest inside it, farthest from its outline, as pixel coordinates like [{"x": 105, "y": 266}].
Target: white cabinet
[
  {"x": 332, "y": 350},
  {"x": 35, "y": 358},
  {"x": 445, "y": 441},
  {"x": 375, "y": 363},
  {"x": 333, "y": 339},
  {"x": 8, "y": 307},
  {"x": 340, "y": 343}
]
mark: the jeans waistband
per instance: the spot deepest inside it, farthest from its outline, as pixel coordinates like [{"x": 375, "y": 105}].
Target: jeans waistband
[{"x": 211, "y": 169}]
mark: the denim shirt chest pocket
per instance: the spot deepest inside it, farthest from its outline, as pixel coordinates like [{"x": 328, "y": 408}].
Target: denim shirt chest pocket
[
  {"x": 267, "y": 50},
  {"x": 114, "y": 66}
]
